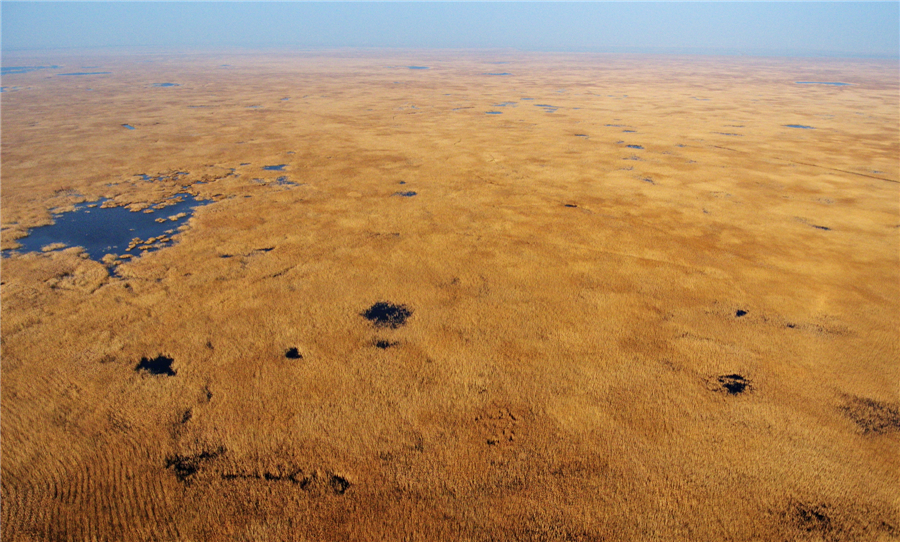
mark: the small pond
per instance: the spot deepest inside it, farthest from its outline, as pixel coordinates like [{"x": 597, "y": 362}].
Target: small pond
[{"x": 113, "y": 230}]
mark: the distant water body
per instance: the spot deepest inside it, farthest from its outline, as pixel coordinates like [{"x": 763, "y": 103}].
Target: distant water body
[
  {"x": 822, "y": 83},
  {"x": 86, "y": 73},
  {"x": 9, "y": 70}
]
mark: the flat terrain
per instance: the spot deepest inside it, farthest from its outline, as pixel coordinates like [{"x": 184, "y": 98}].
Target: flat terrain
[{"x": 632, "y": 303}]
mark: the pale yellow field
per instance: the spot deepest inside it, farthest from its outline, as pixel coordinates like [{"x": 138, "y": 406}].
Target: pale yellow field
[{"x": 573, "y": 301}]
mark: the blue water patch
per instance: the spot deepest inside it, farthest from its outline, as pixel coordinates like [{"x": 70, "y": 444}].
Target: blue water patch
[
  {"x": 166, "y": 85},
  {"x": 493, "y": 112},
  {"x": 547, "y": 107},
  {"x": 130, "y": 127},
  {"x": 405, "y": 194},
  {"x": 799, "y": 126},
  {"x": 503, "y": 73},
  {"x": 834, "y": 84},
  {"x": 526, "y": 98},
  {"x": 85, "y": 73},
  {"x": 504, "y": 104},
  {"x": 634, "y": 146},
  {"x": 418, "y": 67},
  {"x": 283, "y": 181},
  {"x": 10, "y": 70},
  {"x": 113, "y": 230},
  {"x": 279, "y": 167}
]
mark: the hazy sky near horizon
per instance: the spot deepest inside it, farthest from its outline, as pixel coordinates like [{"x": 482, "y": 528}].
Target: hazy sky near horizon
[{"x": 780, "y": 28}]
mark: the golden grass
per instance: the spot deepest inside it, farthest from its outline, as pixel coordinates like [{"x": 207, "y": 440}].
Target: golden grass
[{"x": 561, "y": 375}]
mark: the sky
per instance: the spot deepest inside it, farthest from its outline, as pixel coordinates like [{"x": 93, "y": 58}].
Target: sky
[{"x": 855, "y": 29}]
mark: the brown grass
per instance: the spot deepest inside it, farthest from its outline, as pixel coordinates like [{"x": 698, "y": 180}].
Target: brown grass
[{"x": 572, "y": 365}]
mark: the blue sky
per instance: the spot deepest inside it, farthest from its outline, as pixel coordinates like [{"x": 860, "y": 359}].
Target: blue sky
[{"x": 782, "y": 28}]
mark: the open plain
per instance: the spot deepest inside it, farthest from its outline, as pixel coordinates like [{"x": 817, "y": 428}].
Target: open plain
[{"x": 488, "y": 296}]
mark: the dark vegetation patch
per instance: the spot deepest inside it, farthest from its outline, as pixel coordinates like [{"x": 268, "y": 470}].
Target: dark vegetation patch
[
  {"x": 339, "y": 484},
  {"x": 384, "y": 344},
  {"x": 740, "y": 312},
  {"x": 293, "y": 353},
  {"x": 295, "y": 477},
  {"x": 826, "y": 228},
  {"x": 827, "y": 522},
  {"x": 873, "y": 417},
  {"x": 812, "y": 518},
  {"x": 733, "y": 384},
  {"x": 408, "y": 194},
  {"x": 384, "y": 314},
  {"x": 186, "y": 466},
  {"x": 307, "y": 482},
  {"x": 498, "y": 425},
  {"x": 648, "y": 180},
  {"x": 160, "y": 365}
]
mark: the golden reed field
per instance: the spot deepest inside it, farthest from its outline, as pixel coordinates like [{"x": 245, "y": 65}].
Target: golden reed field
[{"x": 632, "y": 303}]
